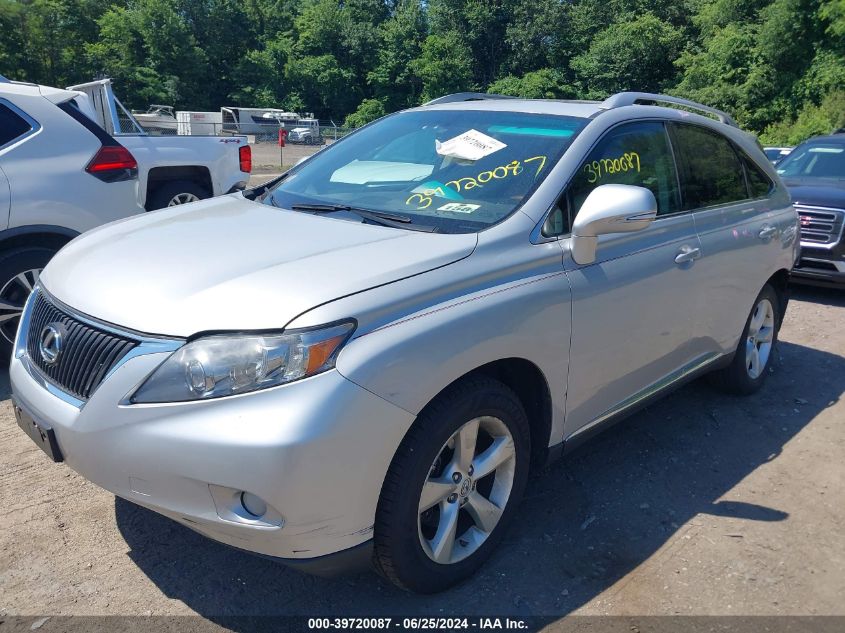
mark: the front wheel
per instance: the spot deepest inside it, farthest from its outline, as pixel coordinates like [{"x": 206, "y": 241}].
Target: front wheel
[
  {"x": 749, "y": 368},
  {"x": 453, "y": 486}
]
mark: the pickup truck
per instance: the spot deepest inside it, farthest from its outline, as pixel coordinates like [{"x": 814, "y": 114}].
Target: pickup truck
[{"x": 171, "y": 169}]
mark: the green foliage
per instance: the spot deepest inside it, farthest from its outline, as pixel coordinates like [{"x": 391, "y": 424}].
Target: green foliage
[
  {"x": 777, "y": 65},
  {"x": 539, "y": 84},
  {"x": 445, "y": 65},
  {"x": 369, "y": 110},
  {"x": 812, "y": 120},
  {"x": 631, "y": 55}
]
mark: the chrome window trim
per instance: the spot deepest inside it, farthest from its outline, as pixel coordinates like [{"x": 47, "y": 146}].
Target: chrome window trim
[
  {"x": 34, "y": 125},
  {"x": 147, "y": 344}
]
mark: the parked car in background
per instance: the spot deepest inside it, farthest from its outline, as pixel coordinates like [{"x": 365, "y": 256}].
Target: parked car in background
[
  {"x": 171, "y": 169},
  {"x": 375, "y": 348},
  {"x": 306, "y": 135},
  {"x": 60, "y": 175},
  {"x": 776, "y": 154},
  {"x": 814, "y": 173}
]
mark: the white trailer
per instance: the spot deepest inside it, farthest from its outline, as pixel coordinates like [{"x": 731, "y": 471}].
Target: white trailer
[{"x": 199, "y": 123}]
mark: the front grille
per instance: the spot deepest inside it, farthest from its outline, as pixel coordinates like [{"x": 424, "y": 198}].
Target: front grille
[
  {"x": 820, "y": 226},
  {"x": 88, "y": 353}
]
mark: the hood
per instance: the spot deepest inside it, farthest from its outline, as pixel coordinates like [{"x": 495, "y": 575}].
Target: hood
[
  {"x": 232, "y": 264},
  {"x": 821, "y": 192}
]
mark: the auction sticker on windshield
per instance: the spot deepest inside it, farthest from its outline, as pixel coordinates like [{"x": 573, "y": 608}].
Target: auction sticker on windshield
[
  {"x": 458, "y": 207},
  {"x": 471, "y": 145}
]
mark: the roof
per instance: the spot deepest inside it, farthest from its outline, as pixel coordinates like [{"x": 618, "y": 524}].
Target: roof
[
  {"x": 485, "y": 101},
  {"x": 584, "y": 109}
]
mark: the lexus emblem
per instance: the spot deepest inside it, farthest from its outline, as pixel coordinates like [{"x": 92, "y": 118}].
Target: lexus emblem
[{"x": 52, "y": 342}]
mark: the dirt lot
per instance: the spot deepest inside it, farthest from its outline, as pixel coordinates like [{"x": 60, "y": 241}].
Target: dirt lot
[
  {"x": 266, "y": 158},
  {"x": 701, "y": 504}
]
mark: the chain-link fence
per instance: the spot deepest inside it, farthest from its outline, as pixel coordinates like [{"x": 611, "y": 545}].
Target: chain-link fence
[{"x": 321, "y": 133}]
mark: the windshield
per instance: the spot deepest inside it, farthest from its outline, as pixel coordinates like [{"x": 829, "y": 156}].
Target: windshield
[
  {"x": 460, "y": 171},
  {"x": 815, "y": 160}
]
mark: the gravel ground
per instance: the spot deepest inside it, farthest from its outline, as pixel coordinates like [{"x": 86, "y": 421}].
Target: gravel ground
[
  {"x": 266, "y": 158},
  {"x": 700, "y": 504}
]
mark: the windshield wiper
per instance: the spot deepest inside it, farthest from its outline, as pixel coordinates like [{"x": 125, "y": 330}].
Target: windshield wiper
[{"x": 379, "y": 217}]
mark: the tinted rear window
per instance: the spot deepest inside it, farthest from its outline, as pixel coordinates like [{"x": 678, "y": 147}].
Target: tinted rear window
[
  {"x": 12, "y": 125},
  {"x": 759, "y": 184},
  {"x": 711, "y": 172}
]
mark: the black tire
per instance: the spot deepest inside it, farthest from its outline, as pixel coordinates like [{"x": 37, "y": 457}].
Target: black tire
[
  {"x": 736, "y": 378},
  {"x": 167, "y": 191},
  {"x": 13, "y": 289},
  {"x": 398, "y": 553}
]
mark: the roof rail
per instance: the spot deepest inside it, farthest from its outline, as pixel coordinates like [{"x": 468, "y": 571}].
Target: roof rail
[
  {"x": 632, "y": 98},
  {"x": 466, "y": 96}
]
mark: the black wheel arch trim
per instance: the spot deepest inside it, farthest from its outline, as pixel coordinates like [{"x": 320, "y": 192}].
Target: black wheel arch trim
[{"x": 20, "y": 236}]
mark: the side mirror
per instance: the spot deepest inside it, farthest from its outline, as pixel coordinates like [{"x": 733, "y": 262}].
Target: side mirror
[{"x": 610, "y": 209}]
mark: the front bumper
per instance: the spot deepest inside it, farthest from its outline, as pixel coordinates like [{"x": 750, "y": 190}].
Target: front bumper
[
  {"x": 316, "y": 451},
  {"x": 820, "y": 267}
]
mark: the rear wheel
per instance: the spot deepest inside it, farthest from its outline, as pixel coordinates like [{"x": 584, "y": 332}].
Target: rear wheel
[
  {"x": 171, "y": 194},
  {"x": 749, "y": 368},
  {"x": 453, "y": 487},
  {"x": 19, "y": 272}
]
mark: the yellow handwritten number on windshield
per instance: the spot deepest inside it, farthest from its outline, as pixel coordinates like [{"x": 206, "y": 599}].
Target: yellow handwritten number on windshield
[{"x": 514, "y": 168}]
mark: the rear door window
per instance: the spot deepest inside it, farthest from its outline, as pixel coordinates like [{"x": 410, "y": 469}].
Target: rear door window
[
  {"x": 12, "y": 125},
  {"x": 711, "y": 171}
]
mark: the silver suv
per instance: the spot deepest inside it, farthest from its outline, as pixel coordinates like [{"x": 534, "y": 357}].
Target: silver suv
[{"x": 361, "y": 361}]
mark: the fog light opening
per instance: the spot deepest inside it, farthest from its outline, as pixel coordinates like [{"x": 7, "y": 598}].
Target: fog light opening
[{"x": 253, "y": 504}]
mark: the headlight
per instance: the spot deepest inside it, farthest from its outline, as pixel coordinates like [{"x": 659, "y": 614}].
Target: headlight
[{"x": 224, "y": 365}]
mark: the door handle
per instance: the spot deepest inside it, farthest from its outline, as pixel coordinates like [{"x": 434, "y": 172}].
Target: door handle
[
  {"x": 687, "y": 254},
  {"x": 768, "y": 231}
]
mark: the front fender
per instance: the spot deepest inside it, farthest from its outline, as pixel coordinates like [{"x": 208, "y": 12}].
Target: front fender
[{"x": 412, "y": 359}]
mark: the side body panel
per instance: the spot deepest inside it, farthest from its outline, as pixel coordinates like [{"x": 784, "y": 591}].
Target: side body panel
[
  {"x": 633, "y": 318},
  {"x": 742, "y": 246},
  {"x": 509, "y": 299}
]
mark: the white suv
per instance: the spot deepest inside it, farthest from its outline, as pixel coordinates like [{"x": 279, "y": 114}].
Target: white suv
[{"x": 60, "y": 175}]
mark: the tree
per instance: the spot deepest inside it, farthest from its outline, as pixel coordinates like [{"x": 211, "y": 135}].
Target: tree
[
  {"x": 633, "y": 55},
  {"x": 369, "y": 110},
  {"x": 445, "y": 65},
  {"x": 323, "y": 85},
  {"x": 540, "y": 84},
  {"x": 777, "y": 65},
  {"x": 393, "y": 79},
  {"x": 811, "y": 121}
]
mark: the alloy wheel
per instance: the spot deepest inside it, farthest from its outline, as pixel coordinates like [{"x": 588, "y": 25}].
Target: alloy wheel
[
  {"x": 467, "y": 490},
  {"x": 13, "y": 296},
  {"x": 758, "y": 344},
  {"x": 182, "y": 198}
]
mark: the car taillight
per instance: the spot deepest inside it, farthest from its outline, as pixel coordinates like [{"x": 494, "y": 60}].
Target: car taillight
[
  {"x": 245, "y": 157},
  {"x": 112, "y": 163}
]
